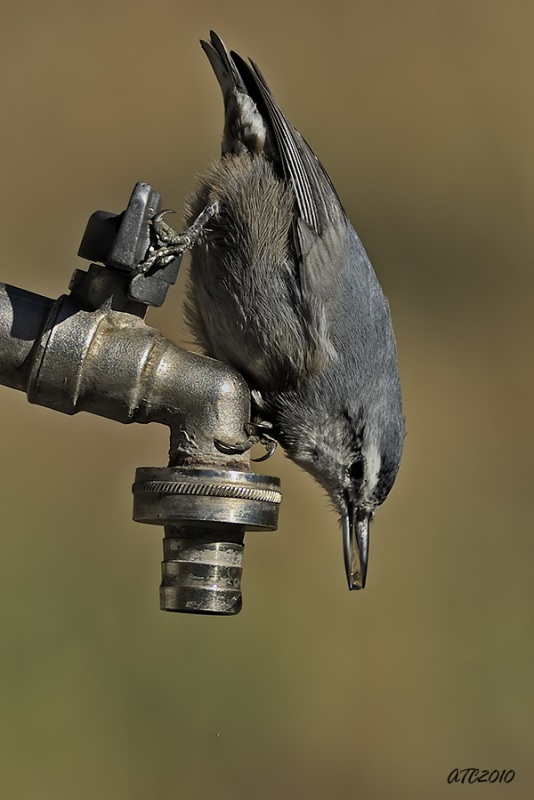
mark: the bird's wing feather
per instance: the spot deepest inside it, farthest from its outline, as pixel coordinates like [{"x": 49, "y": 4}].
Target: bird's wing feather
[
  {"x": 320, "y": 223},
  {"x": 223, "y": 65},
  {"x": 317, "y": 201}
]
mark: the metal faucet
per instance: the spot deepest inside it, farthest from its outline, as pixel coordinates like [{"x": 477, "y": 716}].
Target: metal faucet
[{"x": 91, "y": 351}]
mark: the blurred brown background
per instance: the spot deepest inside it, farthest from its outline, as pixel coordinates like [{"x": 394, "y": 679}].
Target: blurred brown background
[{"x": 422, "y": 112}]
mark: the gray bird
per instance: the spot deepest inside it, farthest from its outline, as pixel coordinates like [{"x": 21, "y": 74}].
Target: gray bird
[{"x": 283, "y": 291}]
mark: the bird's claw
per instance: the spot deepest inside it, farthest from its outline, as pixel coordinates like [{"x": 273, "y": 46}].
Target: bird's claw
[
  {"x": 256, "y": 435},
  {"x": 270, "y": 447},
  {"x": 168, "y": 244},
  {"x": 165, "y": 235}
]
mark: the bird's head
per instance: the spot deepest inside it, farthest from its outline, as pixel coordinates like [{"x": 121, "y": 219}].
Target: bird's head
[{"x": 356, "y": 461}]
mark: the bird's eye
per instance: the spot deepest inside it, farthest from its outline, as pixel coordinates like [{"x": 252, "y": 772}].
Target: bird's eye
[{"x": 356, "y": 470}]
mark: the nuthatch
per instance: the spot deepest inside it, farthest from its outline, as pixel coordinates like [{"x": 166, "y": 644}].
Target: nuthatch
[{"x": 282, "y": 290}]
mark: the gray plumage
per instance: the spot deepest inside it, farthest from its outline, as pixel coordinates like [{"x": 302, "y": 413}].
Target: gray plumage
[{"x": 282, "y": 289}]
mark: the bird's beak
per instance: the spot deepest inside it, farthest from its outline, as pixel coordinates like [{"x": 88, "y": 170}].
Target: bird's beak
[{"x": 355, "y": 527}]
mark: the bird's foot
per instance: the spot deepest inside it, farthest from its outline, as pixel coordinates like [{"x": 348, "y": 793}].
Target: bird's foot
[
  {"x": 169, "y": 244},
  {"x": 256, "y": 434}
]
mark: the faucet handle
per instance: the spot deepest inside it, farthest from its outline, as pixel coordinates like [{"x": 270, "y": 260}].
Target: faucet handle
[{"x": 122, "y": 241}]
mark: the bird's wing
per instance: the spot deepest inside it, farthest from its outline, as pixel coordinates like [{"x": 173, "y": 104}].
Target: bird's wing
[
  {"x": 320, "y": 224},
  {"x": 317, "y": 202}
]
